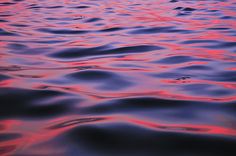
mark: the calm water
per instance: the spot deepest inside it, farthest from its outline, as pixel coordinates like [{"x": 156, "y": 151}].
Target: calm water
[{"x": 117, "y": 77}]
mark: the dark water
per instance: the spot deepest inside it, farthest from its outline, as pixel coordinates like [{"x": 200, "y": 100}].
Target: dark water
[{"x": 117, "y": 78}]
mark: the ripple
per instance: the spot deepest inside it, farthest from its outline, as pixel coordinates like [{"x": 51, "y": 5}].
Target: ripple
[
  {"x": 196, "y": 67},
  {"x": 227, "y": 76},
  {"x": 6, "y": 33},
  {"x": 91, "y": 75},
  {"x": 108, "y": 80},
  {"x": 93, "y": 20},
  {"x": 222, "y": 45},
  {"x": 103, "y": 50},
  {"x": 178, "y": 59},
  {"x": 62, "y": 31},
  {"x": 81, "y": 7},
  {"x": 119, "y": 139},
  {"x": 4, "y": 77},
  {"x": 112, "y": 29},
  {"x": 76, "y": 122},
  {"x": 9, "y": 136},
  {"x": 169, "y": 29},
  {"x": 136, "y": 104},
  {"x": 16, "y": 103}
]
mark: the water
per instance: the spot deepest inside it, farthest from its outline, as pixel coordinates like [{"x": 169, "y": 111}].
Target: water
[{"x": 115, "y": 77}]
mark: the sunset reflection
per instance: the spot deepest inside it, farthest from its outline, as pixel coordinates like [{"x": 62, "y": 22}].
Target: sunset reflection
[{"x": 117, "y": 77}]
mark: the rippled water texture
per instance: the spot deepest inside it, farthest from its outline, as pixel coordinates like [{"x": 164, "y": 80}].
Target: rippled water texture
[{"x": 117, "y": 77}]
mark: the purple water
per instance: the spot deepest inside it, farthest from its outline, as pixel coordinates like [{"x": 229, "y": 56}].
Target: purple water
[{"x": 117, "y": 78}]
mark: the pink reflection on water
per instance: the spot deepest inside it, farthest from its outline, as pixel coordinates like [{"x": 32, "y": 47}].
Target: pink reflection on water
[
  {"x": 42, "y": 135},
  {"x": 27, "y": 60}
]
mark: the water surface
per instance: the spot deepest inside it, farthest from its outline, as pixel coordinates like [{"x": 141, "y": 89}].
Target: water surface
[{"x": 115, "y": 77}]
